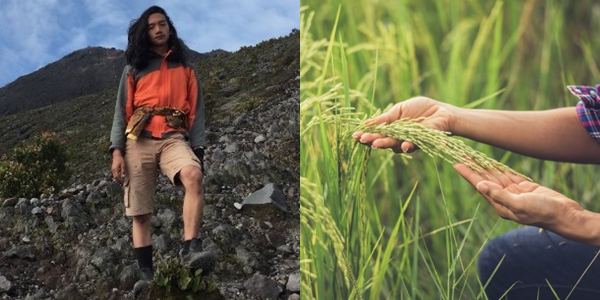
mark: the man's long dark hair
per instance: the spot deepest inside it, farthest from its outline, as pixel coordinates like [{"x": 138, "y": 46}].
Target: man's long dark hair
[{"x": 138, "y": 51}]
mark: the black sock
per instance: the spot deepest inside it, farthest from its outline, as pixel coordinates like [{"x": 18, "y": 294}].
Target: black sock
[{"x": 144, "y": 257}]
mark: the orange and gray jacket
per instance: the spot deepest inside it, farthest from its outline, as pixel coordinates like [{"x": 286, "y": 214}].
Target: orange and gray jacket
[{"x": 161, "y": 84}]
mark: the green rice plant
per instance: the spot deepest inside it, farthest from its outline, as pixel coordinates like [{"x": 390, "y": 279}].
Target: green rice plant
[{"x": 376, "y": 225}]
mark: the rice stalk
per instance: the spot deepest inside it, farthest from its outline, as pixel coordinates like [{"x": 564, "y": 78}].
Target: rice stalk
[
  {"x": 433, "y": 142},
  {"x": 313, "y": 214}
]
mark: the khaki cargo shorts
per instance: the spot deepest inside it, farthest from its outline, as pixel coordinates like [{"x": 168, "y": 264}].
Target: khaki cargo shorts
[{"x": 143, "y": 157}]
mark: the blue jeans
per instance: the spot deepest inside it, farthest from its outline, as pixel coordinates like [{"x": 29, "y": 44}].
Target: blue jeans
[{"x": 532, "y": 256}]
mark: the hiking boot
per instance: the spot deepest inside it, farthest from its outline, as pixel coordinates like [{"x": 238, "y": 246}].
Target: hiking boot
[
  {"x": 194, "y": 257},
  {"x": 141, "y": 289}
]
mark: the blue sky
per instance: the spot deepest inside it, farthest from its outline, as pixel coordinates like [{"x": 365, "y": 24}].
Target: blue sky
[{"x": 38, "y": 32}]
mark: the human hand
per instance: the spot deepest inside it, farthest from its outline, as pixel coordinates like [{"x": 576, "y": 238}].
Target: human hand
[
  {"x": 440, "y": 116},
  {"x": 517, "y": 199},
  {"x": 118, "y": 166}
]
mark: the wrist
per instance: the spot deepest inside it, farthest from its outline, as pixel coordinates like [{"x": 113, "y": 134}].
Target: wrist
[
  {"x": 459, "y": 118},
  {"x": 117, "y": 152},
  {"x": 580, "y": 225}
]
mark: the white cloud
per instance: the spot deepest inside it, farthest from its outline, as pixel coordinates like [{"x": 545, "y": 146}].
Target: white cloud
[
  {"x": 25, "y": 41},
  {"x": 38, "y": 32}
]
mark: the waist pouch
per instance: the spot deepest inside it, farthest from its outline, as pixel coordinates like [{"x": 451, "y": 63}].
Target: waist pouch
[{"x": 176, "y": 118}]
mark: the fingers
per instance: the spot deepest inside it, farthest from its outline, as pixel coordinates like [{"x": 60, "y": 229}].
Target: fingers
[
  {"x": 498, "y": 177},
  {"x": 377, "y": 141},
  {"x": 380, "y": 141},
  {"x": 118, "y": 172},
  {"x": 502, "y": 179},
  {"x": 467, "y": 173},
  {"x": 116, "y": 175},
  {"x": 408, "y": 147},
  {"x": 514, "y": 177},
  {"x": 496, "y": 196}
]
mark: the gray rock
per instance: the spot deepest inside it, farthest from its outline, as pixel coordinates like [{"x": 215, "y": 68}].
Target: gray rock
[
  {"x": 167, "y": 218},
  {"x": 224, "y": 139},
  {"x": 217, "y": 155},
  {"x": 77, "y": 223},
  {"x": 69, "y": 209},
  {"x": 114, "y": 190},
  {"x": 102, "y": 184},
  {"x": 155, "y": 221},
  {"x": 210, "y": 212},
  {"x": 212, "y": 247},
  {"x": 294, "y": 297},
  {"x": 51, "y": 225},
  {"x": 41, "y": 294},
  {"x": 287, "y": 249},
  {"x": 128, "y": 277},
  {"x": 122, "y": 245},
  {"x": 236, "y": 169},
  {"x": 22, "y": 252},
  {"x": 275, "y": 238},
  {"x": 263, "y": 287},
  {"x": 246, "y": 259},
  {"x": 23, "y": 206},
  {"x": 37, "y": 211},
  {"x": 104, "y": 259},
  {"x": 162, "y": 243},
  {"x": 93, "y": 197},
  {"x": 226, "y": 235},
  {"x": 268, "y": 194},
  {"x": 231, "y": 148},
  {"x": 293, "y": 283},
  {"x": 10, "y": 202},
  {"x": 90, "y": 272},
  {"x": 69, "y": 293},
  {"x": 5, "y": 284},
  {"x": 260, "y": 138}
]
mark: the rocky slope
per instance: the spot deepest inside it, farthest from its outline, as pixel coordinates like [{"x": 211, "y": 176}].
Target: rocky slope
[{"x": 76, "y": 244}]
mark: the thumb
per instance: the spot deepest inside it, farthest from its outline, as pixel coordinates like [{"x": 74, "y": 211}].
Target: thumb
[
  {"x": 494, "y": 192},
  {"x": 388, "y": 117},
  {"x": 483, "y": 187},
  {"x": 378, "y": 120}
]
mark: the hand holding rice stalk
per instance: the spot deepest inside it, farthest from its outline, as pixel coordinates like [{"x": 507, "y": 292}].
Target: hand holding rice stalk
[
  {"x": 437, "y": 143},
  {"x": 433, "y": 142}
]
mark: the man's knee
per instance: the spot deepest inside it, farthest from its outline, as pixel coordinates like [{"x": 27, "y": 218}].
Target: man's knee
[{"x": 190, "y": 176}]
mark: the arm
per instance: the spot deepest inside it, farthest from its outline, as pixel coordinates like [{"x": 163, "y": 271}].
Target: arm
[
  {"x": 196, "y": 117},
  {"x": 117, "y": 133},
  {"x": 552, "y": 134},
  {"x": 528, "y": 203}
]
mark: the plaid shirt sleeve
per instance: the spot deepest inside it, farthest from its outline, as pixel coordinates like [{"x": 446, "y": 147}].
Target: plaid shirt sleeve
[{"x": 588, "y": 109}]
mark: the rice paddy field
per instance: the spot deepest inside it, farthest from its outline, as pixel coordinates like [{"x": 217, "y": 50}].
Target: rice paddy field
[{"x": 378, "y": 225}]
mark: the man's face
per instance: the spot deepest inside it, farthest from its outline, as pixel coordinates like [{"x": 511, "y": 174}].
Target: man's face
[{"x": 158, "y": 29}]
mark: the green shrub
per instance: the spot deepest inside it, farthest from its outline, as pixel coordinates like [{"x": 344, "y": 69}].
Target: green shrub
[
  {"x": 170, "y": 273},
  {"x": 35, "y": 168}
]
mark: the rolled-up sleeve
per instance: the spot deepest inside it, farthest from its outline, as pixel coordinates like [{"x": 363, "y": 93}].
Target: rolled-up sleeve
[{"x": 588, "y": 108}]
